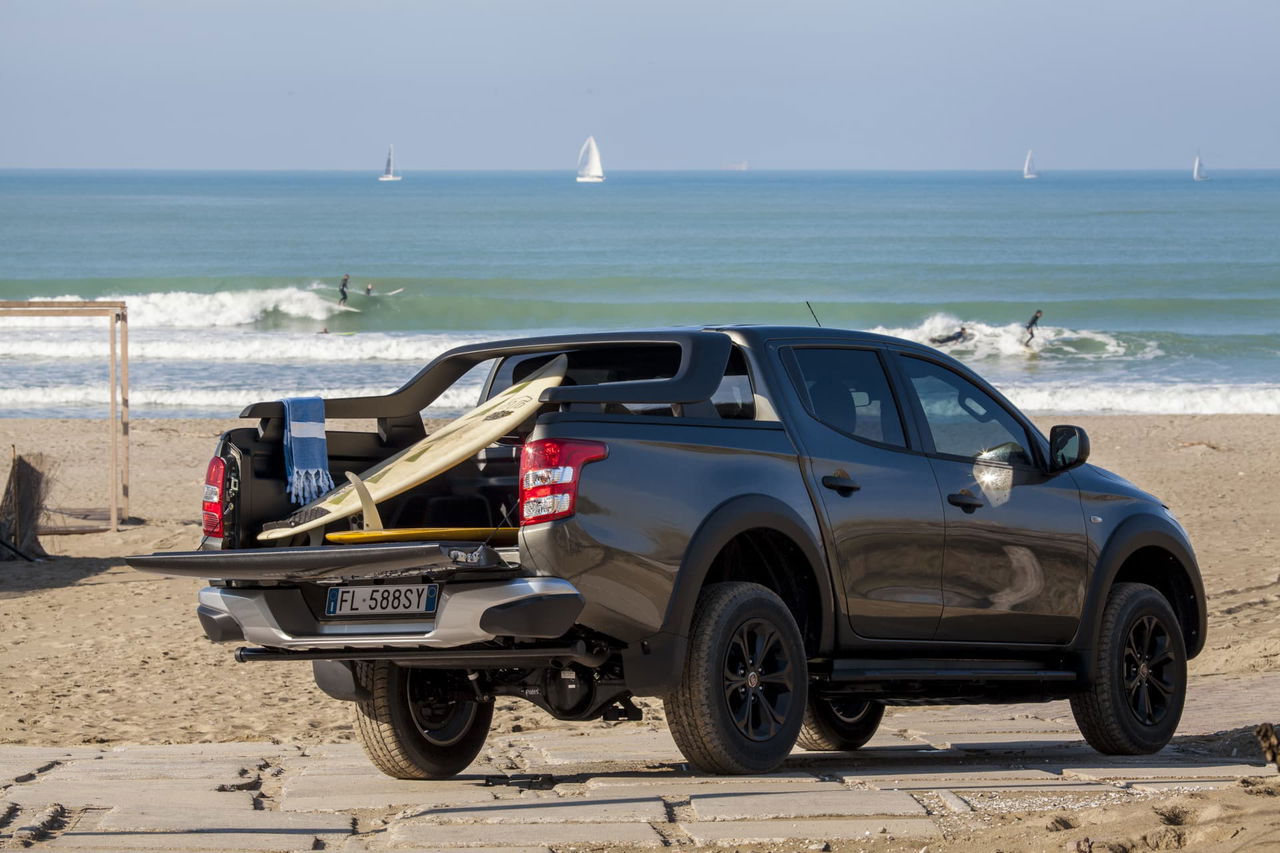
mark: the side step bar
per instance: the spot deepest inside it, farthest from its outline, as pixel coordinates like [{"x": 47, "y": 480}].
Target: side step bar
[{"x": 945, "y": 670}]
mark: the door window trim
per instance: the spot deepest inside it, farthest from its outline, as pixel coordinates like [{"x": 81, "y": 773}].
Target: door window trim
[
  {"x": 1031, "y": 434},
  {"x": 792, "y": 364}
]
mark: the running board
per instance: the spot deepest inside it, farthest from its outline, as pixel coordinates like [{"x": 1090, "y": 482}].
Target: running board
[{"x": 944, "y": 670}]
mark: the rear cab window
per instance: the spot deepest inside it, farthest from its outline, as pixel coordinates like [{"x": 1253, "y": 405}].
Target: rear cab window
[{"x": 734, "y": 399}]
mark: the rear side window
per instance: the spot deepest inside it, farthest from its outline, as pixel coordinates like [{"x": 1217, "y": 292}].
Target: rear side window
[
  {"x": 963, "y": 419},
  {"x": 847, "y": 389}
]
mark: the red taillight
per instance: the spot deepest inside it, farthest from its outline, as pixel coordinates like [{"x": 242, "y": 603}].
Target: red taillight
[
  {"x": 212, "y": 506},
  {"x": 549, "y": 474}
]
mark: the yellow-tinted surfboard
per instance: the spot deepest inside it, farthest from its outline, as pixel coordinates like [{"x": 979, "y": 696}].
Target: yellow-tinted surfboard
[
  {"x": 494, "y": 536},
  {"x": 452, "y": 444}
]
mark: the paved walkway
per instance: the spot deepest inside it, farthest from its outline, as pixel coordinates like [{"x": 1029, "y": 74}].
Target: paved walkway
[{"x": 606, "y": 785}]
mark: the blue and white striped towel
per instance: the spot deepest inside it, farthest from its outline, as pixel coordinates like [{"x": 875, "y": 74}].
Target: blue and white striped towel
[{"x": 306, "y": 456}]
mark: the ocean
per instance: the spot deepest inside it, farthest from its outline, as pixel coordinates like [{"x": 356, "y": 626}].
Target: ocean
[{"x": 1160, "y": 295}]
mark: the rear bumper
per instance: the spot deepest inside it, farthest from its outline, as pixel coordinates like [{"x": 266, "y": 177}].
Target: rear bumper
[{"x": 279, "y": 618}]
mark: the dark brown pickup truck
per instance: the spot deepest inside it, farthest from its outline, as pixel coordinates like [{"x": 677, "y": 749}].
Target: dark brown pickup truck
[{"x": 777, "y": 530}]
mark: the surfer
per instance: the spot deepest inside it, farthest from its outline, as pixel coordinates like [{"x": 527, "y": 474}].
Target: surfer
[
  {"x": 1031, "y": 327},
  {"x": 342, "y": 289},
  {"x": 950, "y": 339},
  {"x": 323, "y": 331},
  {"x": 368, "y": 290}
]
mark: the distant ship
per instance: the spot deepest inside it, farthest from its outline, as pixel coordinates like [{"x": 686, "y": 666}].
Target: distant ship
[
  {"x": 589, "y": 169},
  {"x": 1197, "y": 169},
  {"x": 1029, "y": 167},
  {"x": 389, "y": 173}
]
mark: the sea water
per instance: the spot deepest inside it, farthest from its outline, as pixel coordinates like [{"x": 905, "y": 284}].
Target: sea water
[{"x": 1159, "y": 294}]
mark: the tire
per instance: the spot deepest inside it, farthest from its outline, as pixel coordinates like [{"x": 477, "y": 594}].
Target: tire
[
  {"x": 839, "y": 725},
  {"x": 733, "y": 713},
  {"x": 1134, "y": 705},
  {"x": 413, "y": 726}
]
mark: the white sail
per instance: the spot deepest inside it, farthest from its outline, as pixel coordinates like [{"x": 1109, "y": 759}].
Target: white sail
[
  {"x": 389, "y": 173},
  {"x": 590, "y": 171},
  {"x": 1197, "y": 169},
  {"x": 1029, "y": 167}
]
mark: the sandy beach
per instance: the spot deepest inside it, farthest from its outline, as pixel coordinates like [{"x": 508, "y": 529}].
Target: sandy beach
[{"x": 95, "y": 653}]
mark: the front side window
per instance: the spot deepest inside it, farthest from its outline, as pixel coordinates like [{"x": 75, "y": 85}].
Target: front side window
[
  {"x": 847, "y": 389},
  {"x": 963, "y": 419}
]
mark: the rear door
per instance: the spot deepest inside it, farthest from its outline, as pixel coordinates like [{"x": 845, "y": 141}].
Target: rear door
[
  {"x": 878, "y": 491},
  {"x": 1015, "y": 560}
]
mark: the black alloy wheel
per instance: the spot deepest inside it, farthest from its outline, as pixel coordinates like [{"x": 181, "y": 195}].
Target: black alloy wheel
[
  {"x": 1139, "y": 686},
  {"x": 759, "y": 680},
  {"x": 419, "y": 723},
  {"x": 838, "y": 723},
  {"x": 1149, "y": 661},
  {"x": 741, "y": 699}
]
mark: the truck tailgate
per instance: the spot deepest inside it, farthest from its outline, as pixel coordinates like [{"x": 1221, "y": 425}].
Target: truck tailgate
[{"x": 323, "y": 563}]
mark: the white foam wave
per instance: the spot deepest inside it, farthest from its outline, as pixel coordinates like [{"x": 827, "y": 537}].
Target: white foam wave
[
  {"x": 1151, "y": 398},
  {"x": 1146, "y": 398},
  {"x": 185, "y": 309},
  {"x": 230, "y": 399},
  {"x": 216, "y": 346},
  {"x": 986, "y": 341}
]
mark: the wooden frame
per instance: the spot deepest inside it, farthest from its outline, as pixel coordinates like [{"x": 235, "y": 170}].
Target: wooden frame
[{"x": 118, "y": 317}]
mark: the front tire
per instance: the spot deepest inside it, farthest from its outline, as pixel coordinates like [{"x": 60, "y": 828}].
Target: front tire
[
  {"x": 741, "y": 698},
  {"x": 419, "y": 723},
  {"x": 1134, "y": 705},
  {"x": 839, "y": 725}
]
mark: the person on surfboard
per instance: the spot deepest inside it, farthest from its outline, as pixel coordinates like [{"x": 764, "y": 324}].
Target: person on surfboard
[
  {"x": 1031, "y": 327},
  {"x": 342, "y": 289},
  {"x": 368, "y": 289},
  {"x": 950, "y": 339}
]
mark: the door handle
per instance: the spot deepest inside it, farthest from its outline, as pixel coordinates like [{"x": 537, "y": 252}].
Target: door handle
[
  {"x": 965, "y": 500},
  {"x": 842, "y": 485}
]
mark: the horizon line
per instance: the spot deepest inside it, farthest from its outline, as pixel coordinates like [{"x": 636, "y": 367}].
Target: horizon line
[{"x": 570, "y": 170}]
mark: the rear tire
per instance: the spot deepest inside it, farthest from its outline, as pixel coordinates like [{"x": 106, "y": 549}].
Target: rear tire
[
  {"x": 839, "y": 725},
  {"x": 741, "y": 698},
  {"x": 1134, "y": 705},
  {"x": 415, "y": 725}
]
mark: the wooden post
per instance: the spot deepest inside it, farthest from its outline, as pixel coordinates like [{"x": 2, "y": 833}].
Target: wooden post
[
  {"x": 112, "y": 481},
  {"x": 124, "y": 406},
  {"x": 116, "y": 312}
]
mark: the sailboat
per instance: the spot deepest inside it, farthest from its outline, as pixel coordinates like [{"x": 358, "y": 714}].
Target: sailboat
[
  {"x": 1029, "y": 167},
  {"x": 389, "y": 173},
  {"x": 1197, "y": 169},
  {"x": 589, "y": 169}
]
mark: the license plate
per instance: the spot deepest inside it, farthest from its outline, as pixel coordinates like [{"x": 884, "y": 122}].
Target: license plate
[{"x": 382, "y": 600}]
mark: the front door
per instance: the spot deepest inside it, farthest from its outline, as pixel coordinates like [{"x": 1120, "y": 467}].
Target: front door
[
  {"x": 1015, "y": 560},
  {"x": 881, "y": 501}
]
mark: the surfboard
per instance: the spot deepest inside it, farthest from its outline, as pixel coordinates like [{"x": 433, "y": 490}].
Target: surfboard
[
  {"x": 494, "y": 535},
  {"x": 452, "y": 444},
  {"x": 345, "y": 307}
]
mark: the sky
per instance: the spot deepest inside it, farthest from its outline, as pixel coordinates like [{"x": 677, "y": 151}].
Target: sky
[{"x": 490, "y": 84}]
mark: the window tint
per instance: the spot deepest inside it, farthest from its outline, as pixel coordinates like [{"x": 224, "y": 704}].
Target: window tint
[
  {"x": 964, "y": 420},
  {"x": 847, "y": 389}
]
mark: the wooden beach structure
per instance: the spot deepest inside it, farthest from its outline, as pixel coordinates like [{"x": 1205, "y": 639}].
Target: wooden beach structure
[{"x": 117, "y": 316}]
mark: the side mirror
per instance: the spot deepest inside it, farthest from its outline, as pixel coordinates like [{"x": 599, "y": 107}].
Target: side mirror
[{"x": 1068, "y": 447}]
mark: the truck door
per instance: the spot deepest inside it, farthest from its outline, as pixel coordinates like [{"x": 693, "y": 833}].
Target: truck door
[
  {"x": 884, "y": 515},
  {"x": 1015, "y": 560}
]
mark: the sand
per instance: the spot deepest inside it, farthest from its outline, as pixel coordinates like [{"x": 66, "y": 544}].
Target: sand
[{"x": 93, "y": 652}]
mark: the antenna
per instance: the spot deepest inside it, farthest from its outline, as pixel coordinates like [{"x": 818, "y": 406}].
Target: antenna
[{"x": 811, "y": 311}]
